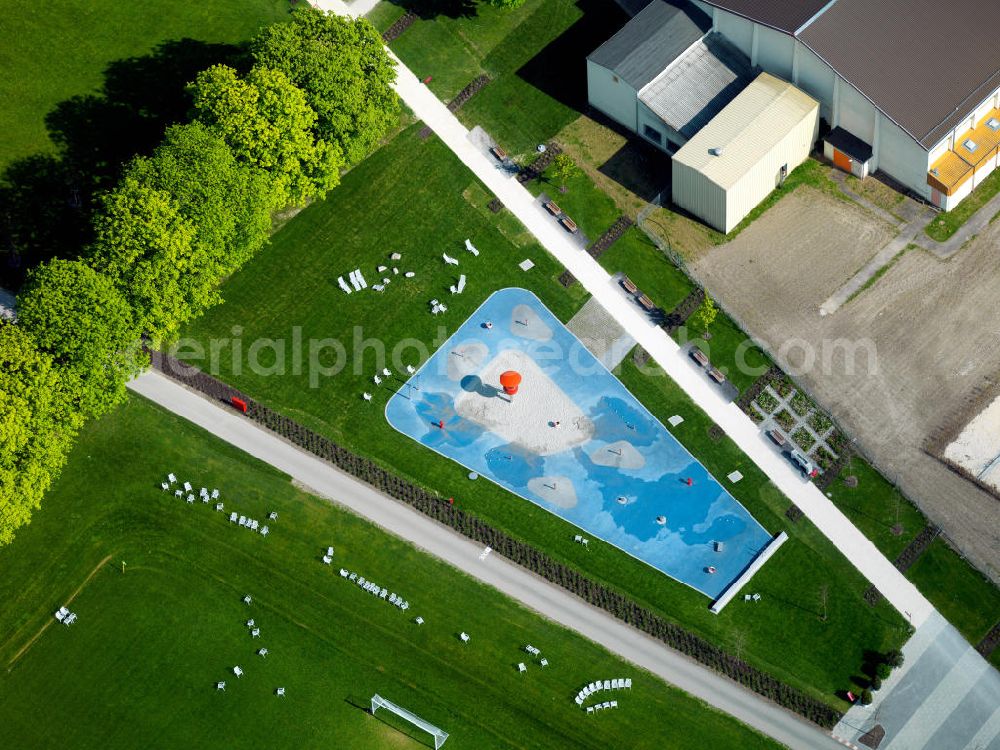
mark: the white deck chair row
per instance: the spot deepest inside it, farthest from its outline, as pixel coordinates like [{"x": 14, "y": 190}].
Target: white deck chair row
[{"x": 374, "y": 589}]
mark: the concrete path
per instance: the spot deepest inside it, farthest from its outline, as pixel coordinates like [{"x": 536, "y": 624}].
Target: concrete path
[
  {"x": 532, "y": 591},
  {"x": 902, "y": 594},
  {"x": 945, "y": 697},
  {"x": 883, "y": 258}
]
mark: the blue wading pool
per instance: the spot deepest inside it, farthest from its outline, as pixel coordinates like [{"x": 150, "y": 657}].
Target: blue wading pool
[{"x": 574, "y": 441}]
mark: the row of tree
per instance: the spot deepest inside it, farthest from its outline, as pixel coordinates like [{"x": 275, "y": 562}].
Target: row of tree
[{"x": 316, "y": 100}]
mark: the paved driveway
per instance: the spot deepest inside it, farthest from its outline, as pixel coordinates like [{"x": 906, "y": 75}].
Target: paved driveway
[{"x": 946, "y": 697}]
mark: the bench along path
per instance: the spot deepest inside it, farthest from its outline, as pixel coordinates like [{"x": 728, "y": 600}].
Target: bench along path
[
  {"x": 902, "y": 594},
  {"x": 530, "y": 590}
]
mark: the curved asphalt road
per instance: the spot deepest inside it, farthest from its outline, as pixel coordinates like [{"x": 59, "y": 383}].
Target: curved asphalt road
[{"x": 532, "y": 591}]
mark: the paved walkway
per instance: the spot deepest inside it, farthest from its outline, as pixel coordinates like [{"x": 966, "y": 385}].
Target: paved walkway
[
  {"x": 945, "y": 697},
  {"x": 902, "y": 594},
  {"x": 532, "y": 591}
]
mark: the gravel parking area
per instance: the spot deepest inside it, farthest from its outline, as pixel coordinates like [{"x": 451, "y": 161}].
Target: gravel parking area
[{"x": 892, "y": 365}]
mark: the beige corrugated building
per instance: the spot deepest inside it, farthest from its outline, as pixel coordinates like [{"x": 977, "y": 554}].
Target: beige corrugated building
[{"x": 745, "y": 152}]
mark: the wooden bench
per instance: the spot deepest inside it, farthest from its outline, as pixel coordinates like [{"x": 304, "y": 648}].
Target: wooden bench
[
  {"x": 776, "y": 436},
  {"x": 715, "y": 374},
  {"x": 499, "y": 153},
  {"x": 699, "y": 356},
  {"x": 552, "y": 208},
  {"x": 569, "y": 225},
  {"x": 647, "y": 303},
  {"x": 629, "y": 285}
]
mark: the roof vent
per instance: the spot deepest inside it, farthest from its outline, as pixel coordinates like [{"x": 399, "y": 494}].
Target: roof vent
[
  {"x": 993, "y": 124},
  {"x": 717, "y": 151},
  {"x": 970, "y": 145}
]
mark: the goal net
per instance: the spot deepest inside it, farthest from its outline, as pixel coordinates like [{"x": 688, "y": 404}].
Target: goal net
[{"x": 437, "y": 733}]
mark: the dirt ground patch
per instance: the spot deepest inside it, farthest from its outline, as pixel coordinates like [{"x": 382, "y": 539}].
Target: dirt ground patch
[
  {"x": 633, "y": 175},
  {"x": 893, "y": 364}
]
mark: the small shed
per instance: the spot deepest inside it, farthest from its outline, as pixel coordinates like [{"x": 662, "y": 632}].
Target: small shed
[{"x": 745, "y": 152}]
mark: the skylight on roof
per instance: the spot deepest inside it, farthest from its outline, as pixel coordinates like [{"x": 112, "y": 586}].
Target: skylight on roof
[
  {"x": 993, "y": 124},
  {"x": 971, "y": 145}
]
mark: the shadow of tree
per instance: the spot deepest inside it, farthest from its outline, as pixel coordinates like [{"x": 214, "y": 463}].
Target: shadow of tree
[
  {"x": 47, "y": 200},
  {"x": 430, "y": 9}
]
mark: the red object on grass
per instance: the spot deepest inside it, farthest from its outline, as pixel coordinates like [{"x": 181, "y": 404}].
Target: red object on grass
[
  {"x": 850, "y": 696},
  {"x": 428, "y": 79},
  {"x": 240, "y": 404},
  {"x": 451, "y": 501}
]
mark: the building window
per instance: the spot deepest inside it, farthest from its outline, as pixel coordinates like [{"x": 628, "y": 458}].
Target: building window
[
  {"x": 652, "y": 134},
  {"x": 970, "y": 145}
]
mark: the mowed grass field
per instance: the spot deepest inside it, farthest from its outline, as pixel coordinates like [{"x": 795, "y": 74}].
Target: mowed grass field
[
  {"x": 413, "y": 197},
  {"x": 56, "y": 50},
  {"x": 138, "y": 668}
]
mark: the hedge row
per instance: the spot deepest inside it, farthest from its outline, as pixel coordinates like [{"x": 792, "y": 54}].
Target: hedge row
[{"x": 513, "y": 549}]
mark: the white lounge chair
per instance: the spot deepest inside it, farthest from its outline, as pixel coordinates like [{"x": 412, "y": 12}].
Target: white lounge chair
[
  {"x": 449, "y": 260},
  {"x": 187, "y": 486},
  {"x": 220, "y": 686},
  {"x": 251, "y": 623},
  {"x": 203, "y": 492},
  {"x": 410, "y": 369},
  {"x": 329, "y": 551},
  {"x": 471, "y": 248},
  {"x": 579, "y": 701},
  {"x": 409, "y": 274},
  {"x": 70, "y": 619},
  {"x": 756, "y": 597},
  {"x": 215, "y": 494},
  {"x": 171, "y": 478},
  {"x": 521, "y": 667},
  {"x": 387, "y": 372},
  {"x": 607, "y": 684},
  {"x": 247, "y": 599},
  {"x": 361, "y": 279},
  {"x": 590, "y": 709},
  {"x": 178, "y": 493},
  {"x": 255, "y": 525},
  {"x": 378, "y": 287},
  {"x": 396, "y": 256},
  {"x": 380, "y": 269},
  {"x": 243, "y": 520},
  {"x": 544, "y": 662},
  {"x": 190, "y": 498},
  {"x": 219, "y": 507},
  {"x": 262, "y": 652},
  {"x": 327, "y": 559},
  {"x": 418, "y": 620},
  {"x": 164, "y": 486},
  {"x": 628, "y": 683},
  {"x": 353, "y": 275},
  {"x": 272, "y": 516},
  {"x": 237, "y": 671},
  {"x": 264, "y": 530},
  {"x": 343, "y": 284},
  {"x": 280, "y": 692},
  {"x": 61, "y": 614},
  {"x": 464, "y": 637},
  {"x": 232, "y": 517},
  {"x": 255, "y": 633}
]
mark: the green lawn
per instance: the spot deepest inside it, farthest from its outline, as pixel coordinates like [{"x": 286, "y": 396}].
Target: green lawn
[
  {"x": 642, "y": 261},
  {"x": 139, "y": 666},
  {"x": 949, "y": 222},
  {"x": 415, "y": 198},
  {"x": 592, "y": 210},
  {"x": 60, "y": 49},
  {"x": 739, "y": 359},
  {"x": 968, "y": 600},
  {"x": 876, "y": 507},
  {"x": 535, "y": 56}
]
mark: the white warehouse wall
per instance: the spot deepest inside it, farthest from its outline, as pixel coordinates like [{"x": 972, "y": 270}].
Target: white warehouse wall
[
  {"x": 614, "y": 98},
  {"x": 774, "y": 52}
]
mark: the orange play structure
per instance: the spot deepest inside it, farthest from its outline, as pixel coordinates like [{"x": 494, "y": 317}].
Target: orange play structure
[{"x": 510, "y": 380}]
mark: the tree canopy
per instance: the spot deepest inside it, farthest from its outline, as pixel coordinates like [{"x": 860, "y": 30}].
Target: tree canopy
[
  {"x": 77, "y": 316},
  {"x": 37, "y": 427},
  {"x": 345, "y": 71},
  {"x": 506, "y": 4},
  {"x": 267, "y": 122},
  {"x": 146, "y": 248}
]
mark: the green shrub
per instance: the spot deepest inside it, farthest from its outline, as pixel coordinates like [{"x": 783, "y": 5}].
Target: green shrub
[
  {"x": 804, "y": 438},
  {"x": 802, "y": 404},
  {"x": 894, "y": 658},
  {"x": 767, "y": 402},
  {"x": 866, "y": 697},
  {"x": 882, "y": 671}
]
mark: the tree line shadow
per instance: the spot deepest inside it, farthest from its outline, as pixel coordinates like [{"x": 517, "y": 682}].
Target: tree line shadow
[{"x": 47, "y": 200}]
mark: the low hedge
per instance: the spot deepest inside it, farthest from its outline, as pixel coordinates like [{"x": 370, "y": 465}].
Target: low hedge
[{"x": 513, "y": 549}]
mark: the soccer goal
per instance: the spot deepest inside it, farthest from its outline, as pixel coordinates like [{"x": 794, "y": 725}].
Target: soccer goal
[{"x": 437, "y": 733}]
